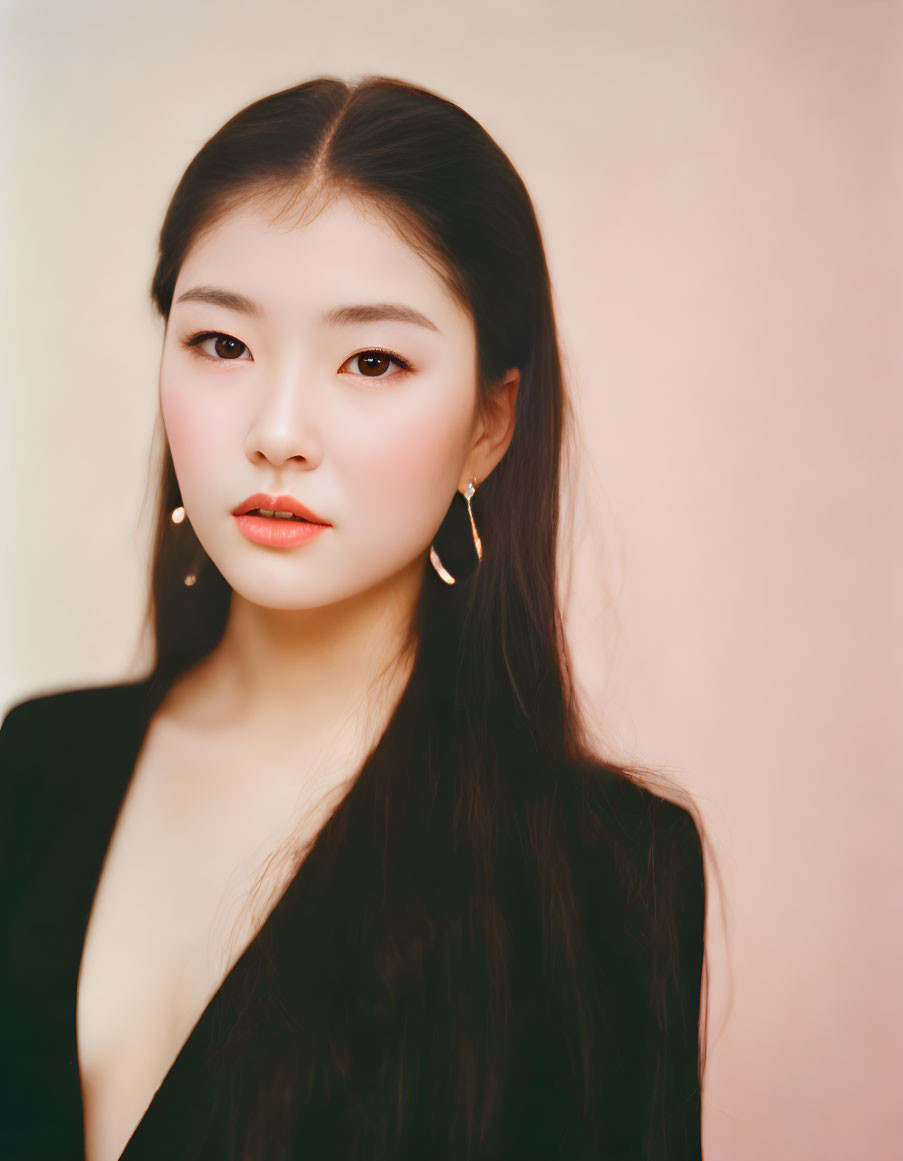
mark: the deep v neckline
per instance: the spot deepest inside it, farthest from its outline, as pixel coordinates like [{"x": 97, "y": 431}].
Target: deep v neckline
[{"x": 150, "y": 697}]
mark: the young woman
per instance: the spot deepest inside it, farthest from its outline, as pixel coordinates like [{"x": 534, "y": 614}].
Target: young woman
[{"x": 341, "y": 878}]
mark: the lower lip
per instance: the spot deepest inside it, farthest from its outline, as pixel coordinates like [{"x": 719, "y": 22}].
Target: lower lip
[{"x": 277, "y": 533}]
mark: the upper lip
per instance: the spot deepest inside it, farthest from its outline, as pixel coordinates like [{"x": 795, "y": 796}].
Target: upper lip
[{"x": 277, "y": 504}]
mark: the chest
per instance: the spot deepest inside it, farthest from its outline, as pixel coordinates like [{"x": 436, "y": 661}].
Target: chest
[{"x": 200, "y": 853}]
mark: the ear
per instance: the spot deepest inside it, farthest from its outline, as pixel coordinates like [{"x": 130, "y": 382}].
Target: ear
[{"x": 494, "y": 429}]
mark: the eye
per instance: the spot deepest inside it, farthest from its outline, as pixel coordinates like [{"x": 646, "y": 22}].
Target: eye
[
  {"x": 373, "y": 364},
  {"x": 217, "y": 345}
]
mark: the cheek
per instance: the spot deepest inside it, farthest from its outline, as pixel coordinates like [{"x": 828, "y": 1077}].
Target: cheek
[
  {"x": 195, "y": 432},
  {"x": 413, "y": 456}
]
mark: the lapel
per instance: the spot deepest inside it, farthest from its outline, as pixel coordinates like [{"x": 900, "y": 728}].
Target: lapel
[
  {"x": 74, "y": 773},
  {"x": 69, "y": 801}
]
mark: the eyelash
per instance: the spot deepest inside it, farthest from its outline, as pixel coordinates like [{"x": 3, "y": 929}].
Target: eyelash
[{"x": 193, "y": 344}]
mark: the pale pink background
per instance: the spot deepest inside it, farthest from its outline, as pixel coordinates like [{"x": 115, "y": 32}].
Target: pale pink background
[{"x": 721, "y": 191}]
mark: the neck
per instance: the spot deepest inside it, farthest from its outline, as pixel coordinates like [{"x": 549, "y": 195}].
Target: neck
[{"x": 305, "y": 669}]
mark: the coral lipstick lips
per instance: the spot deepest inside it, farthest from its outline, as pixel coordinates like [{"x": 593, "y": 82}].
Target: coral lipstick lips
[
  {"x": 277, "y": 521},
  {"x": 277, "y": 532}
]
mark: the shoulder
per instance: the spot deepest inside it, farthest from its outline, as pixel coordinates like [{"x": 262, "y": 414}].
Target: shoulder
[
  {"x": 642, "y": 888},
  {"x": 43, "y": 720},
  {"x": 41, "y": 735},
  {"x": 624, "y": 887},
  {"x": 608, "y": 817},
  {"x": 53, "y": 748},
  {"x": 643, "y": 854},
  {"x": 607, "y": 806}
]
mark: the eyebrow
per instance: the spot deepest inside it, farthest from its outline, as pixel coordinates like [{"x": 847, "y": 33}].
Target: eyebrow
[{"x": 336, "y": 316}]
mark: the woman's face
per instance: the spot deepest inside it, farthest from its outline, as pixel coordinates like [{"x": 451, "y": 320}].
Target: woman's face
[{"x": 327, "y": 363}]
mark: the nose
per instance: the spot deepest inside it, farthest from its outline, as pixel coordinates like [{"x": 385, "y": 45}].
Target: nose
[{"x": 284, "y": 426}]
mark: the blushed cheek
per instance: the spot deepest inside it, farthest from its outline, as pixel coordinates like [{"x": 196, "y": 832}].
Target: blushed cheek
[
  {"x": 191, "y": 432},
  {"x": 413, "y": 464}
]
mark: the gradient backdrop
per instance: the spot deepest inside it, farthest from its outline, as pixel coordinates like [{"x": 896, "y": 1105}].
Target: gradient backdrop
[{"x": 720, "y": 186}]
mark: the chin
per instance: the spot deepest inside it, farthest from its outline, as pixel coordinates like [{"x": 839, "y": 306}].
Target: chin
[
  {"x": 269, "y": 594},
  {"x": 286, "y": 593}
]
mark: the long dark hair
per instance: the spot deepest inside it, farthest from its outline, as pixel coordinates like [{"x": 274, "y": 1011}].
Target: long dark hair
[{"x": 484, "y": 776}]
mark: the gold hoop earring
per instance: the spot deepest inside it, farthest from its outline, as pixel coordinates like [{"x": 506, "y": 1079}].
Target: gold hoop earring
[
  {"x": 440, "y": 567},
  {"x": 477, "y": 543},
  {"x": 177, "y": 516}
]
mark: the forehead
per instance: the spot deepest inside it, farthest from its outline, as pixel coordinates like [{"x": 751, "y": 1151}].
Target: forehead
[{"x": 342, "y": 254}]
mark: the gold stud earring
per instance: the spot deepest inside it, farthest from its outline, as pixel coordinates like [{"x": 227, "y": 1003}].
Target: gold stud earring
[
  {"x": 477, "y": 543},
  {"x": 177, "y": 516}
]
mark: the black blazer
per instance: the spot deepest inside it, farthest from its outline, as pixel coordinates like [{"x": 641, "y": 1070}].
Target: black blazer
[{"x": 66, "y": 759}]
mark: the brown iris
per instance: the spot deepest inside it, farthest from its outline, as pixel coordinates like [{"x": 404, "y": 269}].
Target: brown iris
[
  {"x": 228, "y": 348},
  {"x": 373, "y": 363}
]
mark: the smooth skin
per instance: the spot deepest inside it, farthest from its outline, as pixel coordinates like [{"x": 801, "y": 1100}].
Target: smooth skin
[{"x": 255, "y": 746}]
